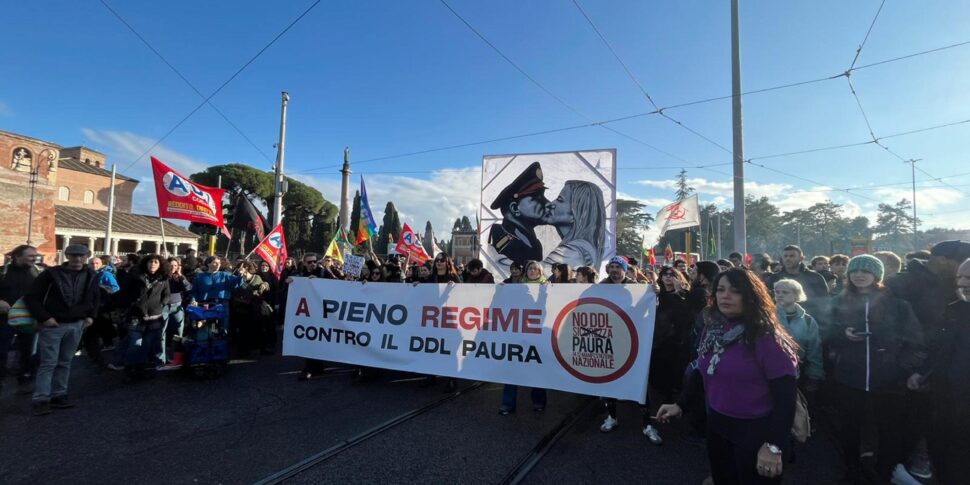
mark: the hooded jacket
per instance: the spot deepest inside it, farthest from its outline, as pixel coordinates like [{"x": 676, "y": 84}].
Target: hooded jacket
[
  {"x": 805, "y": 332},
  {"x": 884, "y": 360}
]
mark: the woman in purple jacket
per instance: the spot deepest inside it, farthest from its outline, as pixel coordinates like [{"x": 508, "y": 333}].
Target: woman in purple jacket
[{"x": 748, "y": 364}]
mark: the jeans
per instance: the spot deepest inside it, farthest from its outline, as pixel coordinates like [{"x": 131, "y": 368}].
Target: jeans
[
  {"x": 173, "y": 317},
  {"x": 511, "y": 392},
  {"x": 142, "y": 342},
  {"x": 56, "y": 347}
]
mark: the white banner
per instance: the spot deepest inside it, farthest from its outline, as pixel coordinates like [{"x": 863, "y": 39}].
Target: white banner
[
  {"x": 679, "y": 215},
  {"x": 587, "y": 339}
]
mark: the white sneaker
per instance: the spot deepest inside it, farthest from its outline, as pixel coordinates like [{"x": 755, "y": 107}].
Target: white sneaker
[
  {"x": 653, "y": 435},
  {"x": 608, "y": 424},
  {"x": 902, "y": 477}
]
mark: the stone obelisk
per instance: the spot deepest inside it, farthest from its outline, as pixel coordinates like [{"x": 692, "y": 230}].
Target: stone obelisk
[{"x": 345, "y": 192}]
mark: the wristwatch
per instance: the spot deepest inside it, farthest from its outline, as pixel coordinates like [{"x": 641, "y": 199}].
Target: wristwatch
[{"x": 773, "y": 449}]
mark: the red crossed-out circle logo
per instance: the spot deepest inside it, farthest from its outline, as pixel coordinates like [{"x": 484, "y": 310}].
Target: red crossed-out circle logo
[{"x": 595, "y": 340}]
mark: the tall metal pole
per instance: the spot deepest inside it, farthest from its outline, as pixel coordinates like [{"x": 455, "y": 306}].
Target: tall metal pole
[
  {"x": 111, "y": 211},
  {"x": 34, "y": 173},
  {"x": 718, "y": 240},
  {"x": 915, "y": 223},
  {"x": 740, "y": 234},
  {"x": 280, "y": 154}
]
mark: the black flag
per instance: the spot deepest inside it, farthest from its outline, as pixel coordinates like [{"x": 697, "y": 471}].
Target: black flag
[{"x": 246, "y": 217}]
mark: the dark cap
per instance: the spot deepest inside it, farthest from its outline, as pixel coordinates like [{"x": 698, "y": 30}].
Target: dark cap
[
  {"x": 527, "y": 183},
  {"x": 708, "y": 269},
  {"x": 955, "y": 250},
  {"x": 77, "y": 249}
]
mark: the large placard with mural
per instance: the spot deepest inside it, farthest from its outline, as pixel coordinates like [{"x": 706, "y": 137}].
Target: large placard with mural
[
  {"x": 548, "y": 207},
  {"x": 587, "y": 339}
]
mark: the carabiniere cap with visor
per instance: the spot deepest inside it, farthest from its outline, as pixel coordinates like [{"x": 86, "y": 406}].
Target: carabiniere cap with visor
[{"x": 527, "y": 183}]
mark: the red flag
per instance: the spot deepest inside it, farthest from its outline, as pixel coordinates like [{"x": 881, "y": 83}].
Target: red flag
[
  {"x": 409, "y": 243},
  {"x": 651, "y": 257},
  {"x": 273, "y": 249},
  {"x": 180, "y": 198}
]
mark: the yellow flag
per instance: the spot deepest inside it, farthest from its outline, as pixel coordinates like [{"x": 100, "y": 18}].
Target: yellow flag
[{"x": 334, "y": 251}]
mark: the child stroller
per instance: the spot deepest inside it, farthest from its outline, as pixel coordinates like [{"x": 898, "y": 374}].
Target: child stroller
[{"x": 205, "y": 341}]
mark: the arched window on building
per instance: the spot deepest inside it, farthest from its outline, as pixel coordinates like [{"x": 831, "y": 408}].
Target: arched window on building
[
  {"x": 64, "y": 194},
  {"x": 88, "y": 197}
]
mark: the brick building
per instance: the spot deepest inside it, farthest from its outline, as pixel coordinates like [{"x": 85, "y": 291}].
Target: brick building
[
  {"x": 21, "y": 160},
  {"x": 70, "y": 202},
  {"x": 88, "y": 185},
  {"x": 464, "y": 246}
]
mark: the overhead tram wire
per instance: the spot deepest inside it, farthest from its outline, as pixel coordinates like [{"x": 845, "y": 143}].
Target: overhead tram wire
[
  {"x": 586, "y": 125},
  {"x": 184, "y": 79},
  {"x": 224, "y": 84},
  {"x": 876, "y": 139},
  {"x": 547, "y": 91},
  {"x": 692, "y": 103},
  {"x": 639, "y": 85}
]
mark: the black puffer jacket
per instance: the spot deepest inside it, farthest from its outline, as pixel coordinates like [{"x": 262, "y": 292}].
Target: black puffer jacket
[
  {"x": 882, "y": 361},
  {"x": 924, "y": 292},
  {"x": 144, "y": 297},
  {"x": 948, "y": 368}
]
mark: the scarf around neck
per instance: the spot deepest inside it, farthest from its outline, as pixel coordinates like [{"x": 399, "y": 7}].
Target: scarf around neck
[{"x": 716, "y": 339}]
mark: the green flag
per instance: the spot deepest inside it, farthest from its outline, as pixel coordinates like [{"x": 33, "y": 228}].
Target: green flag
[{"x": 711, "y": 240}]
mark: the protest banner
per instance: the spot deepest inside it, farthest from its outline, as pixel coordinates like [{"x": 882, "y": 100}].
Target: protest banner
[
  {"x": 353, "y": 265},
  {"x": 587, "y": 339},
  {"x": 557, "y": 208}
]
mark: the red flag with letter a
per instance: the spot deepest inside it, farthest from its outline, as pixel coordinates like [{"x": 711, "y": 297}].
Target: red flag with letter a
[
  {"x": 409, "y": 243},
  {"x": 180, "y": 198},
  {"x": 273, "y": 249}
]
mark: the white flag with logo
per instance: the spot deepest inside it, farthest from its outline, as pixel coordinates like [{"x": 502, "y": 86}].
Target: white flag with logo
[{"x": 679, "y": 215}]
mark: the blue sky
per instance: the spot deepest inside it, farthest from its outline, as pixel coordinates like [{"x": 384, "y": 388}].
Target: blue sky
[{"x": 392, "y": 77}]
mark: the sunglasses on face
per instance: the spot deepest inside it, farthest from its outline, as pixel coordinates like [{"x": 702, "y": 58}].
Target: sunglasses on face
[{"x": 312, "y": 262}]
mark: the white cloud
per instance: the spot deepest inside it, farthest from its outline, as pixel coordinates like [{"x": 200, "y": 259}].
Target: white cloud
[
  {"x": 123, "y": 147},
  {"x": 653, "y": 204},
  {"x": 723, "y": 189},
  {"x": 444, "y": 196},
  {"x": 927, "y": 199},
  {"x": 5, "y": 109}
]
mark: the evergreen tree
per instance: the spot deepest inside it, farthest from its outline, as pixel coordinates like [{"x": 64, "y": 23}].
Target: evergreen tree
[
  {"x": 684, "y": 190},
  {"x": 630, "y": 220}
]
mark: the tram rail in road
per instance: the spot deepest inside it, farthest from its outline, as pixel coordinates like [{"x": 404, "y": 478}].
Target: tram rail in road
[{"x": 321, "y": 457}]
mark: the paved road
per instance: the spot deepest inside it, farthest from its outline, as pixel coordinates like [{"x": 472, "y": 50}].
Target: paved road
[{"x": 258, "y": 420}]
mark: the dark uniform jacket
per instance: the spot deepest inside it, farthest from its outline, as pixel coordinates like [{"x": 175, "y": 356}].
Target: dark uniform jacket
[{"x": 515, "y": 242}]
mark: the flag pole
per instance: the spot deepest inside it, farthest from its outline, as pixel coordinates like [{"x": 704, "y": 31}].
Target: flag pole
[{"x": 161, "y": 223}]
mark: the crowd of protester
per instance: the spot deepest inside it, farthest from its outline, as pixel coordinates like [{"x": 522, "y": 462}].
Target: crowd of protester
[{"x": 877, "y": 346}]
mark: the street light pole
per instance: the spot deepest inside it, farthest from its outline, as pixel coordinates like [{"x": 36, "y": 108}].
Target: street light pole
[
  {"x": 278, "y": 187},
  {"x": 912, "y": 163},
  {"x": 34, "y": 175},
  {"x": 740, "y": 234}
]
